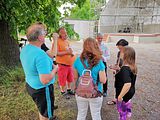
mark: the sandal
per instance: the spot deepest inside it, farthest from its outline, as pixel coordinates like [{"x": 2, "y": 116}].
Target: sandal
[{"x": 112, "y": 102}]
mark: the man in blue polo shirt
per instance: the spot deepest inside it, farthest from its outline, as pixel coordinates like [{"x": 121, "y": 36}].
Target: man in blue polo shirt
[{"x": 39, "y": 71}]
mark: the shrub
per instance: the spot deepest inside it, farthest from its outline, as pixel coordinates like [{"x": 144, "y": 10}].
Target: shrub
[{"x": 10, "y": 75}]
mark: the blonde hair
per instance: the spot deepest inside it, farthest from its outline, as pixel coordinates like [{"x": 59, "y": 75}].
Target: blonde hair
[{"x": 129, "y": 58}]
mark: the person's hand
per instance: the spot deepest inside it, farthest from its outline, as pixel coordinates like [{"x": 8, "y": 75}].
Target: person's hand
[
  {"x": 114, "y": 67},
  {"x": 110, "y": 66},
  {"x": 69, "y": 51},
  {"x": 55, "y": 67},
  {"x": 55, "y": 36},
  {"x": 120, "y": 98},
  {"x": 117, "y": 67},
  {"x": 114, "y": 71}
]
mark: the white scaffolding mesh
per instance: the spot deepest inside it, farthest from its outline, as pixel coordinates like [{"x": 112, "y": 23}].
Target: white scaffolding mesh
[{"x": 136, "y": 16}]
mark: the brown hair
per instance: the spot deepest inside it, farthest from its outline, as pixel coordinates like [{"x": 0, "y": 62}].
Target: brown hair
[
  {"x": 60, "y": 29},
  {"x": 129, "y": 58},
  {"x": 91, "y": 52}
]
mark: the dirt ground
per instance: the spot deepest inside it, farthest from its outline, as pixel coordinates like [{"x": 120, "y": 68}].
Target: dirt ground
[{"x": 146, "y": 102}]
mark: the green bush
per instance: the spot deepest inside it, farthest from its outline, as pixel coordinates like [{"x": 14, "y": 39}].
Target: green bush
[
  {"x": 10, "y": 75},
  {"x": 71, "y": 33}
]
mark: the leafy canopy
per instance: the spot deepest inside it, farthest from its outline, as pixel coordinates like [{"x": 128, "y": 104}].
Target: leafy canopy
[
  {"x": 89, "y": 11},
  {"x": 19, "y": 14}
]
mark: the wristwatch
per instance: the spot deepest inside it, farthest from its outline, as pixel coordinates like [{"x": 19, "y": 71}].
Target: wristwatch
[{"x": 54, "y": 60}]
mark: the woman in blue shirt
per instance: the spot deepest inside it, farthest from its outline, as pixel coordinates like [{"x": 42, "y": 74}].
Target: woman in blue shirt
[{"x": 92, "y": 58}]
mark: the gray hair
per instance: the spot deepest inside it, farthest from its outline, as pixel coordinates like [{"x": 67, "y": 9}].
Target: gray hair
[
  {"x": 34, "y": 31},
  {"x": 99, "y": 34}
]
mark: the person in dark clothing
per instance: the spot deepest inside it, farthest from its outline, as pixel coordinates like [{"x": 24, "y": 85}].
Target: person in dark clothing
[
  {"x": 126, "y": 74},
  {"x": 50, "y": 54},
  {"x": 119, "y": 62},
  {"x": 44, "y": 47},
  {"x": 48, "y": 51},
  {"x": 120, "y": 45},
  {"x": 125, "y": 83}
]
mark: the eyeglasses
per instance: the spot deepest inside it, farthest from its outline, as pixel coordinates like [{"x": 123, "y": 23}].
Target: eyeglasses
[
  {"x": 99, "y": 38},
  {"x": 44, "y": 32}
]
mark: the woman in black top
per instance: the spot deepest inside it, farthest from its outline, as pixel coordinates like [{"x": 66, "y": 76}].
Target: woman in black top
[
  {"x": 125, "y": 83},
  {"x": 125, "y": 75},
  {"x": 120, "y": 45}
]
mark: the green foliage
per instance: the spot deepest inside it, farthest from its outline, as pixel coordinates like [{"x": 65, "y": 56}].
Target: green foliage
[
  {"x": 89, "y": 11},
  {"x": 83, "y": 13},
  {"x": 21, "y": 13},
  {"x": 71, "y": 33},
  {"x": 10, "y": 75}
]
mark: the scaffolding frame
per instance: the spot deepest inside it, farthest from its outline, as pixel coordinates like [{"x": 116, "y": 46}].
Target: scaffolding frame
[{"x": 137, "y": 19}]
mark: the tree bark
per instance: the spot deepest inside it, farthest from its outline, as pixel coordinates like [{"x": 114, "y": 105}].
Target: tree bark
[{"x": 9, "y": 49}]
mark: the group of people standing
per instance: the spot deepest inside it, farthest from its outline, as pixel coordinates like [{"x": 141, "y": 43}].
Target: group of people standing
[{"x": 40, "y": 72}]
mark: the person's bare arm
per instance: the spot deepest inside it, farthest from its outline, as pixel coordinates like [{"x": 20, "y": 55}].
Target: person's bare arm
[
  {"x": 75, "y": 77},
  {"x": 102, "y": 76},
  {"x": 124, "y": 90},
  {"x": 67, "y": 52},
  {"x": 46, "y": 78},
  {"x": 50, "y": 53},
  {"x": 53, "y": 51}
]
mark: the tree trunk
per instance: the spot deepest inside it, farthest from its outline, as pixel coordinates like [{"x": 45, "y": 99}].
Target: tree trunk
[{"x": 9, "y": 49}]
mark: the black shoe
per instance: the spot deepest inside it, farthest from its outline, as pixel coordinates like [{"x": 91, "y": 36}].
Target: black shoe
[
  {"x": 105, "y": 94},
  {"x": 70, "y": 92},
  {"x": 62, "y": 93},
  {"x": 65, "y": 95},
  {"x": 55, "y": 107}
]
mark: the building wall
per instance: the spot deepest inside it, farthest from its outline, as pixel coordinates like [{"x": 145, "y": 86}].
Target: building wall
[
  {"x": 151, "y": 28},
  {"x": 136, "y": 38},
  {"x": 120, "y": 14},
  {"x": 83, "y": 28}
]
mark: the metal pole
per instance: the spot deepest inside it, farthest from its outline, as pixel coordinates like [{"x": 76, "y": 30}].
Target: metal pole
[
  {"x": 116, "y": 16},
  {"x": 153, "y": 16},
  {"x": 137, "y": 25}
]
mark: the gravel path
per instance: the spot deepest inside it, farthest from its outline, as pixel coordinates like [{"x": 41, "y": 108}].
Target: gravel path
[{"x": 146, "y": 102}]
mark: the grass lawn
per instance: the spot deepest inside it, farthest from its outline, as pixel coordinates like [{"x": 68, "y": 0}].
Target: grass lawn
[{"x": 16, "y": 104}]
